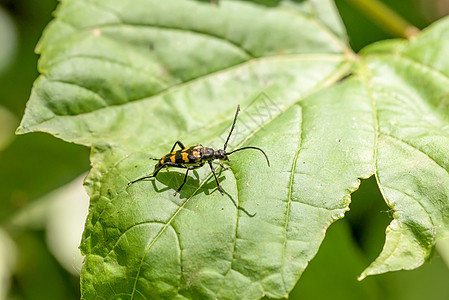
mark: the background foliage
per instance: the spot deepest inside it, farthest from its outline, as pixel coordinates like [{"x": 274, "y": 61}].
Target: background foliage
[{"x": 33, "y": 165}]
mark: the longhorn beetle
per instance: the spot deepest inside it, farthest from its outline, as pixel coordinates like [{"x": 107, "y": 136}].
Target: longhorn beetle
[{"x": 195, "y": 157}]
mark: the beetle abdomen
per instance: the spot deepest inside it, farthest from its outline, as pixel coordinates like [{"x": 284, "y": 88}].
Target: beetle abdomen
[{"x": 190, "y": 155}]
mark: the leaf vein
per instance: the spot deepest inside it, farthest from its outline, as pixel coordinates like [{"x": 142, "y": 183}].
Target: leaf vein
[
  {"x": 130, "y": 228},
  {"x": 415, "y": 148},
  {"x": 78, "y": 86},
  {"x": 175, "y": 87},
  {"x": 105, "y": 59},
  {"x": 289, "y": 197},
  {"x": 153, "y": 241}
]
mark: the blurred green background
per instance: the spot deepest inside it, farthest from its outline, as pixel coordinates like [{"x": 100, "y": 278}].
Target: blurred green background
[{"x": 39, "y": 227}]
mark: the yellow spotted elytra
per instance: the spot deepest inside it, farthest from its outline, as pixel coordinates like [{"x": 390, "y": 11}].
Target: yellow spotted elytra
[{"x": 195, "y": 157}]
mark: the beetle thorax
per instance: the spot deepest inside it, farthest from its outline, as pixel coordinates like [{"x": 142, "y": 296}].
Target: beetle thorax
[{"x": 208, "y": 153}]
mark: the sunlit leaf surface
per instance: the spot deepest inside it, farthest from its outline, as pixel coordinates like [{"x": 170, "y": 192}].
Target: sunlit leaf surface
[{"x": 129, "y": 78}]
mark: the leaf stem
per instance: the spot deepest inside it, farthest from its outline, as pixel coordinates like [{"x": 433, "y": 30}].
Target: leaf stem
[{"x": 386, "y": 18}]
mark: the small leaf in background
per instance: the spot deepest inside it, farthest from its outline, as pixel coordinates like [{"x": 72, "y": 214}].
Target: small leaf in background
[
  {"x": 37, "y": 273},
  {"x": 65, "y": 221},
  {"x": 62, "y": 214},
  {"x": 8, "y": 258}
]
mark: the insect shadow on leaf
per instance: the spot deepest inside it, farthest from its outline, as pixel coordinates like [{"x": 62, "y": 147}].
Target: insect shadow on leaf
[
  {"x": 171, "y": 179},
  {"x": 195, "y": 157}
]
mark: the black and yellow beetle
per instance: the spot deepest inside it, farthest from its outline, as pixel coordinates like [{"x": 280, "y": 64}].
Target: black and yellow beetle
[{"x": 195, "y": 157}]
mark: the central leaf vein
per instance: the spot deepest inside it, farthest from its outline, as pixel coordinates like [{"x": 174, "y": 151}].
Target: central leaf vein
[{"x": 288, "y": 208}]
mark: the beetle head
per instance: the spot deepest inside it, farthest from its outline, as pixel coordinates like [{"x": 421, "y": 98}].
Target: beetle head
[{"x": 221, "y": 154}]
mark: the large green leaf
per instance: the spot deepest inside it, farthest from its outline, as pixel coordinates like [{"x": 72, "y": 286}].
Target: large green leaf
[{"x": 129, "y": 78}]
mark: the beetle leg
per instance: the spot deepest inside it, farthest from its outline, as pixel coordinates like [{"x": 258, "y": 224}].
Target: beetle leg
[
  {"x": 225, "y": 168},
  {"x": 185, "y": 179},
  {"x": 216, "y": 179},
  {"x": 167, "y": 164},
  {"x": 145, "y": 177},
  {"x": 157, "y": 170},
  {"x": 177, "y": 143},
  {"x": 139, "y": 179}
]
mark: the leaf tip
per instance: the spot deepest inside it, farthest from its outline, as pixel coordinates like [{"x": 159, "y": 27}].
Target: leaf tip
[
  {"x": 24, "y": 126},
  {"x": 21, "y": 130},
  {"x": 362, "y": 276}
]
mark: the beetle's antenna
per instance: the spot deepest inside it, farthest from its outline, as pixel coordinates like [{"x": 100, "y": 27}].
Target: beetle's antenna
[
  {"x": 232, "y": 128},
  {"x": 243, "y": 148}
]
